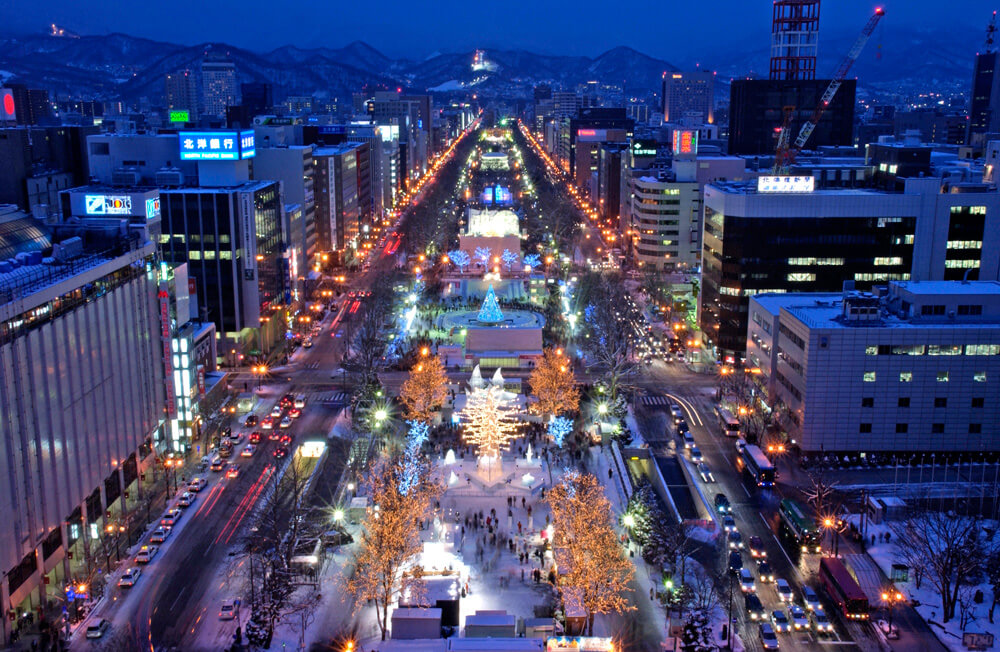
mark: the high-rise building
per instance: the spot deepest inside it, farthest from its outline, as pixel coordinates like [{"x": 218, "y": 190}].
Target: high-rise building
[
  {"x": 293, "y": 166},
  {"x": 36, "y": 163},
  {"x": 757, "y": 110},
  {"x": 181, "y": 91},
  {"x": 337, "y": 210},
  {"x": 913, "y": 369},
  {"x": 663, "y": 212},
  {"x": 258, "y": 97},
  {"x": 77, "y": 436},
  {"x": 984, "y": 102},
  {"x": 688, "y": 95},
  {"x": 31, "y": 105},
  {"x": 218, "y": 84},
  {"x": 231, "y": 238},
  {"x": 760, "y": 238},
  {"x": 587, "y": 132},
  {"x": 794, "y": 39}
]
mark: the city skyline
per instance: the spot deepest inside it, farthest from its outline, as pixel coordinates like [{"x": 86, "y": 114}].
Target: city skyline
[{"x": 400, "y": 33}]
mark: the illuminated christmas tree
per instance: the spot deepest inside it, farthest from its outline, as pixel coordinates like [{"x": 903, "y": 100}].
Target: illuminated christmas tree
[{"x": 490, "y": 313}]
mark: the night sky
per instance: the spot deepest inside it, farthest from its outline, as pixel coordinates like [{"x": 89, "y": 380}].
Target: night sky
[{"x": 682, "y": 31}]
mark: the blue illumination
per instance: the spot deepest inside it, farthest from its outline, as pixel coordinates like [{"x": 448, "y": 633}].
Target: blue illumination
[
  {"x": 216, "y": 145},
  {"x": 490, "y": 312}
]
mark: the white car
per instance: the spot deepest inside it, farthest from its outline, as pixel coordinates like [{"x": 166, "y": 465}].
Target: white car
[
  {"x": 248, "y": 451},
  {"x": 810, "y": 598},
  {"x": 129, "y": 577},
  {"x": 228, "y": 610},
  {"x": 197, "y": 484},
  {"x": 798, "y": 616},
  {"x": 820, "y": 622},
  {"x": 705, "y": 473},
  {"x": 145, "y": 554},
  {"x": 97, "y": 629},
  {"x": 286, "y": 423},
  {"x": 784, "y": 590},
  {"x": 186, "y": 499},
  {"x": 160, "y": 534},
  {"x": 767, "y": 637},
  {"x": 696, "y": 455},
  {"x": 747, "y": 584},
  {"x": 276, "y": 411},
  {"x": 780, "y": 621}
]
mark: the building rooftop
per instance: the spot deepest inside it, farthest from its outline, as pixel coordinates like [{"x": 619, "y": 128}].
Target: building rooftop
[{"x": 957, "y": 288}]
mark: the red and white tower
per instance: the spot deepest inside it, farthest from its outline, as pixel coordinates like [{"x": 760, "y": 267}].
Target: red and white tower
[{"x": 794, "y": 36}]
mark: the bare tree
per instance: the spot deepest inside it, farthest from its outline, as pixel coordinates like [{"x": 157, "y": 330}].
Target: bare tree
[
  {"x": 369, "y": 342},
  {"x": 951, "y": 548},
  {"x": 608, "y": 337}
]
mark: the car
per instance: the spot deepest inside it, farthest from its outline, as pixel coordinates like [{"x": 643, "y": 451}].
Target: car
[
  {"x": 235, "y": 437},
  {"x": 226, "y": 449},
  {"x": 274, "y": 435},
  {"x": 755, "y": 609},
  {"x": 820, "y": 622},
  {"x": 300, "y": 401},
  {"x": 764, "y": 572},
  {"x": 286, "y": 423},
  {"x": 286, "y": 401},
  {"x": 171, "y": 517},
  {"x": 97, "y": 628},
  {"x": 722, "y": 504},
  {"x": 285, "y": 440},
  {"x": 676, "y": 413},
  {"x": 254, "y": 437},
  {"x": 248, "y": 450},
  {"x": 810, "y": 598},
  {"x": 740, "y": 444},
  {"x": 228, "y": 610},
  {"x": 688, "y": 440},
  {"x": 756, "y": 548},
  {"x": 747, "y": 584},
  {"x": 145, "y": 554},
  {"x": 682, "y": 427},
  {"x": 696, "y": 455},
  {"x": 798, "y": 616},
  {"x": 129, "y": 577},
  {"x": 186, "y": 499},
  {"x": 728, "y": 523},
  {"x": 217, "y": 463},
  {"x": 767, "y": 637},
  {"x": 267, "y": 423},
  {"x": 280, "y": 452},
  {"x": 735, "y": 540},
  {"x": 705, "y": 473},
  {"x": 294, "y": 413},
  {"x": 780, "y": 621},
  {"x": 784, "y": 590},
  {"x": 250, "y": 421},
  {"x": 735, "y": 561},
  {"x": 307, "y": 344},
  {"x": 276, "y": 411},
  {"x": 232, "y": 471},
  {"x": 196, "y": 484}
]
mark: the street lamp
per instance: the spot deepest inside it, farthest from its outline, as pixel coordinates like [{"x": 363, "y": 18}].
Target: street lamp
[
  {"x": 889, "y": 598},
  {"x": 831, "y": 524}
]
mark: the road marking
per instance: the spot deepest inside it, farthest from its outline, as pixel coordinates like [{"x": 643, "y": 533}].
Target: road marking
[
  {"x": 744, "y": 488},
  {"x": 179, "y": 595},
  {"x": 783, "y": 551}
]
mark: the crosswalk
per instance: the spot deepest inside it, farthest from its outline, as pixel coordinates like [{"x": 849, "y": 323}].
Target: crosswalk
[
  {"x": 656, "y": 400},
  {"x": 312, "y": 365},
  {"x": 329, "y": 397}
]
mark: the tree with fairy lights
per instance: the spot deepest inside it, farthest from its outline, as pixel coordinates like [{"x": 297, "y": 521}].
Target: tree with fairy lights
[
  {"x": 510, "y": 258},
  {"x": 488, "y": 420},
  {"x": 598, "y": 570},
  {"x": 390, "y": 536},
  {"x": 459, "y": 258},
  {"x": 483, "y": 255},
  {"x": 552, "y": 382},
  {"x": 425, "y": 389},
  {"x": 558, "y": 428}
]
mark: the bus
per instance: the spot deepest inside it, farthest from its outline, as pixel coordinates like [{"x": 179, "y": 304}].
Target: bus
[
  {"x": 798, "y": 526},
  {"x": 754, "y": 463},
  {"x": 843, "y": 589},
  {"x": 730, "y": 424}
]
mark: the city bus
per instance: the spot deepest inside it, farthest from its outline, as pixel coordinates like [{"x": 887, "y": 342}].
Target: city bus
[
  {"x": 754, "y": 463},
  {"x": 796, "y": 525},
  {"x": 730, "y": 424},
  {"x": 843, "y": 589}
]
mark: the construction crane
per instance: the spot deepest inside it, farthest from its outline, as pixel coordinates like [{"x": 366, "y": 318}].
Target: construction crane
[{"x": 785, "y": 153}]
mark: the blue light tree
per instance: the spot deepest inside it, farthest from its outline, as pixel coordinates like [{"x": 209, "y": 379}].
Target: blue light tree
[
  {"x": 509, "y": 258},
  {"x": 490, "y": 311},
  {"x": 412, "y": 461},
  {"x": 483, "y": 255},
  {"x": 559, "y": 427},
  {"x": 459, "y": 258},
  {"x": 532, "y": 260}
]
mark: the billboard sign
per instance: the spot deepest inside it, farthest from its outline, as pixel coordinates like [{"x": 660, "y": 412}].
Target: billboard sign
[
  {"x": 180, "y": 116},
  {"x": 152, "y": 208},
  {"x": 786, "y": 184},
  {"x": 592, "y": 135},
  {"x": 8, "y": 112},
  {"x": 216, "y": 145},
  {"x": 108, "y": 204},
  {"x": 685, "y": 142}
]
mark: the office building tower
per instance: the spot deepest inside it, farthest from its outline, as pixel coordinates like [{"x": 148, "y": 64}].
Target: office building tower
[
  {"x": 337, "y": 210},
  {"x": 665, "y": 215},
  {"x": 688, "y": 96},
  {"x": 794, "y": 39},
  {"x": 258, "y": 97},
  {"x": 231, "y": 238},
  {"x": 984, "y": 102},
  {"x": 82, "y": 394},
  {"x": 757, "y": 111},
  {"x": 293, "y": 167},
  {"x": 181, "y": 91},
  {"x": 586, "y": 133},
  {"x": 761, "y": 238},
  {"x": 31, "y": 105},
  {"x": 565, "y": 104},
  {"x": 912, "y": 369},
  {"x": 139, "y": 159},
  {"x": 218, "y": 85},
  {"x": 36, "y": 163}
]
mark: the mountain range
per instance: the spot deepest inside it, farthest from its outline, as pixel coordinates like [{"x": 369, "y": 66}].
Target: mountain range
[{"x": 119, "y": 66}]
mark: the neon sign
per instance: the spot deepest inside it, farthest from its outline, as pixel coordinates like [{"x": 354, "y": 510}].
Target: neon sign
[
  {"x": 108, "y": 204},
  {"x": 216, "y": 145}
]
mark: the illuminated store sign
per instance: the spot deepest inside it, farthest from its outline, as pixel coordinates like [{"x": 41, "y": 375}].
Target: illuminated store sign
[
  {"x": 108, "y": 205},
  {"x": 216, "y": 145},
  {"x": 786, "y": 184}
]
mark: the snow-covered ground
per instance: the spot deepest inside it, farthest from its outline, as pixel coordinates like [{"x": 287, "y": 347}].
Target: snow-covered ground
[{"x": 929, "y": 607}]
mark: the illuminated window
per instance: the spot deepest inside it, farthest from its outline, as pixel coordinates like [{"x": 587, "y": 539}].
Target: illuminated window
[
  {"x": 906, "y": 376},
  {"x": 888, "y": 260},
  {"x": 871, "y": 350},
  {"x": 979, "y": 377},
  {"x": 869, "y": 377},
  {"x": 942, "y": 376},
  {"x": 799, "y": 277}
]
